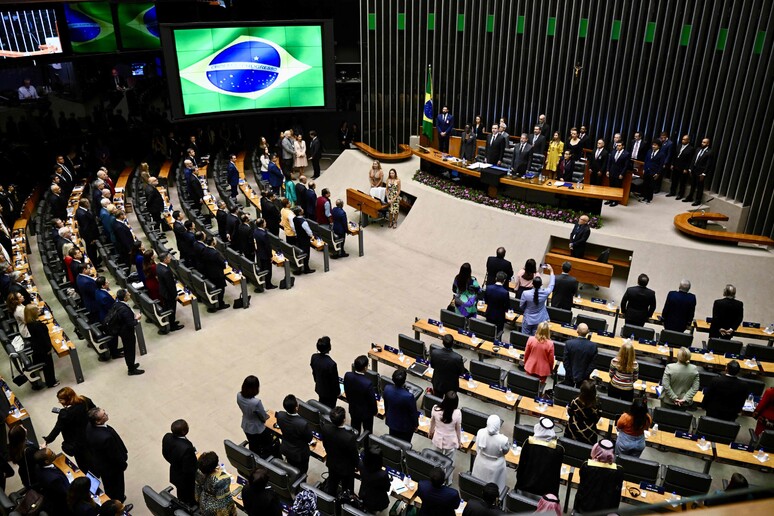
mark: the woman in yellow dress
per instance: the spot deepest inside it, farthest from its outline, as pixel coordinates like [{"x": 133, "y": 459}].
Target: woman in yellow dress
[
  {"x": 393, "y": 197},
  {"x": 555, "y": 151}
]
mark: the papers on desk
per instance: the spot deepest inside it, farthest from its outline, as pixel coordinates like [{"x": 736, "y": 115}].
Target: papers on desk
[
  {"x": 479, "y": 166},
  {"x": 379, "y": 192}
]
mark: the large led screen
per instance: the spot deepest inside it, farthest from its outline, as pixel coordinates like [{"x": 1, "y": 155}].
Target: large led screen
[
  {"x": 91, "y": 27},
  {"x": 225, "y": 69},
  {"x": 139, "y": 26},
  {"x": 29, "y": 32}
]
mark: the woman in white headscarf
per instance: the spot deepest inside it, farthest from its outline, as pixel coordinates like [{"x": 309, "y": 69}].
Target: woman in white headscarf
[{"x": 491, "y": 447}]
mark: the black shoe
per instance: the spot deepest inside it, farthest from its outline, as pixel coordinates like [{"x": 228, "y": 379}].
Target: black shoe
[
  {"x": 177, "y": 326},
  {"x": 670, "y": 195},
  {"x": 687, "y": 199},
  {"x": 309, "y": 271},
  {"x": 613, "y": 203},
  {"x": 607, "y": 203},
  {"x": 648, "y": 201},
  {"x": 136, "y": 372},
  {"x": 164, "y": 331},
  {"x": 697, "y": 203},
  {"x": 54, "y": 384},
  {"x": 224, "y": 306},
  {"x": 344, "y": 255},
  {"x": 212, "y": 309},
  {"x": 117, "y": 354},
  {"x": 128, "y": 508},
  {"x": 270, "y": 286},
  {"x": 678, "y": 198},
  {"x": 104, "y": 358}
]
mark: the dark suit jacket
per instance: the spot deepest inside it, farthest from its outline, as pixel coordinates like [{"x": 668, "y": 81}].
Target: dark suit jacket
[
  {"x": 638, "y": 304},
  {"x": 726, "y": 313},
  {"x": 275, "y": 175},
  {"x": 442, "y": 501},
  {"x": 495, "y": 149},
  {"x": 579, "y": 355},
  {"x": 339, "y": 221},
  {"x": 212, "y": 266},
  {"x": 445, "y": 126},
  {"x": 262, "y": 246},
  {"x": 309, "y": 204},
  {"x": 104, "y": 301},
  {"x": 87, "y": 288},
  {"x": 703, "y": 164},
  {"x": 232, "y": 174},
  {"x": 679, "y": 310},
  {"x": 683, "y": 160},
  {"x": 300, "y": 193},
  {"x": 400, "y": 409},
  {"x": 341, "y": 450},
  {"x": 538, "y": 144},
  {"x": 124, "y": 238},
  {"x": 495, "y": 265},
  {"x": 58, "y": 206},
  {"x": 564, "y": 169},
  {"x": 155, "y": 203},
  {"x": 221, "y": 217},
  {"x": 54, "y": 486},
  {"x": 315, "y": 148},
  {"x": 127, "y": 322},
  {"x": 195, "y": 190},
  {"x": 640, "y": 155},
  {"x": 598, "y": 165},
  {"x": 326, "y": 376},
  {"x": 296, "y": 436},
  {"x": 232, "y": 222},
  {"x": 724, "y": 397},
  {"x": 654, "y": 165},
  {"x": 181, "y": 455},
  {"x": 497, "y": 302},
  {"x": 271, "y": 215},
  {"x": 186, "y": 245},
  {"x": 197, "y": 254},
  {"x": 108, "y": 452},
  {"x": 521, "y": 158},
  {"x": 618, "y": 168},
  {"x": 565, "y": 288},
  {"x": 244, "y": 240},
  {"x": 447, "y": 368},
  {"x": 361, "y": 395},
  {"x": 578, "y": 238},
  {"x": 167, "y": 285},
  {"x": 87, "y": 225}
]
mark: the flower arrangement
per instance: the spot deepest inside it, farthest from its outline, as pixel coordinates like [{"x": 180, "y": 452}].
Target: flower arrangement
[{"x": 501, "y": 202}]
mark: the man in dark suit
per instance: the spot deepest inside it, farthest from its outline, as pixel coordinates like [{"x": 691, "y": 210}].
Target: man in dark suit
[
  {"x": 301, "y": 192},
  {"x": 339, "y": 226},
  {"x": 185, "y": 244},
  {"x": 303, "y": 236},
  {"x": 232, "y": 176},
  {"x": 270, "y": 213},
  {"x": 445, "y": 125},
  {"x": 87, "y": 228},
  {"x": 212, "y": 265},
  {"x": 497, "y": 263},
  {"x": 497, "y": 301},
  {"x": 679, "y": 308},
  {"x": 108, "y": 452},
  {"x": 181, "y": 455},
  {"x": 522, "y": 155},
  {"x": 244, "y": 238},
  {"x": 325, "y": 373},
  {"x": 17, "y": 288},
  {"x": 565, "y": 167},
  {"x": 296, "y": 434},
  {"x": 585, "y": 138},
  {"x": 638, "y": 303},
  {"x": 195, "y": 191},
  {"x": 579, "y": 355},
  {"x": 53, "y": 484},
  {"x": 617, "y": 165},
  {"x": 263, "y": 250},
  {"x": 652, "y": 171},
  {"x": 232, "y": 222},
  {"x": 579, "y": 236},
  {"x": 545, "y": 129},
  {"x": 124, "y": 237},
  {"x": 310, "y": 202},
  {"x": 448, "y": 366},
  {"x": 155, "y": 203},
  {"x": 342, "y": 457},
  {"x": 102, "y": 297},
  {"x": 667, "y": 148},
  {"x": 598, "y": 163},
  {"x": 87, "y": 289},
  {"x": 495, "y": 147},
  {"x": 638, "y": 147},
  {"x": 724, "y": 397},
  {"x": 538, "y": 141},
  {"x": 488, "y": 505},
  {"x": 361, "y": 396},
  {"x": 681, "y": 168},
  {"x": 701, "y": 172},
  {"x": 437, "y": 498},
  {"x": 565, "y": 288},
  {"x": 197, "y": 250},
  {"x": 58, "y": 203},
  {"x": 315, "y": 153},
  {"x": 727, "y": 314},
  {"x": 168, "y": 289},
  {"x": 400, "y": 408},
  {"x": 127, "y": 320}
]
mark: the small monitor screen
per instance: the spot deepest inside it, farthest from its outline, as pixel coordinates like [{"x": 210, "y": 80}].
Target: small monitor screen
[
  {"x": 94, "y": 481},
  {"x": 139, "y": 25},
  {"x": 29, "y": 32},
  {"x": 138, "y": 69},
  {"x": 91, "y": 27}
]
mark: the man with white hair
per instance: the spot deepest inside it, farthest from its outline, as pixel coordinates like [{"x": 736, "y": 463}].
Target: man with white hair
[
  {"x": 17, "y": 288},
  {"x": 106, "y": 218},
  {"x": 679, "y": 308},
  {"x": 102, "y": 174},
  {"x": 57, "y": 202},
  {"x": 96, "y": 195},
  {"x": 66, "y": 243},
  {"x": 288, "y": 152}
]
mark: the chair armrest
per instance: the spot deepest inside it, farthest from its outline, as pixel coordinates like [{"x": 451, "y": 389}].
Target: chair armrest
[
  {"x": 297, "y": 483},
  {"x": 753, "y": 440},
  {"x": 362, "y": 439}
]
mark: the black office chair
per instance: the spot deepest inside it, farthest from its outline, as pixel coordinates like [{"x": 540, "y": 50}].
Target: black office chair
[
  {"x": 669, "y": 420},
  {"x": 685, "y": 482},
  {"x": 564, "y": 394},
  {"x": 595, "y": 324},
  {"x": 393, "y": 450},
  {"x": 717, "y": 430},
  {"x": 284, "y": 479},
  {"x": 754, "y": 386},
  {"x": 559, "y": 315},
  {"x": 240, "y": 457},
  {"x": 639, "y": 332},
  {"x": 482, "y": 329},
  {"x": 452, "y": 320},
  {"x": 760, "y": 352},
  {"x": 612, "y": 408},
  {"x": 638, "y": 470},
  {"x": 521, "y": 502},
  {"x": 159, "y": 504},
  {"x": 523, "y": 384},
  {"x": 326, "y": 504},
  {"x": 487, "y": 373},
  {"x": 351, "y": 511},
  {"x": 428, "y": 402},
  {"x": 473, "y": 420},
  {"x": 312, "y": 414},
  {"x": 559, "y": 350},
  {"x": 651, "y": 372},
  {"x": 765, "y": 440},
  {"x": 602, "y": 361},
  {"x": 675, "y": 339},
  {"x": 723, "y": 346},
  {"x": 413, "y": 348},
  {"x": 413, "y": 388},
  {"x": 472, "y": 488},
  {"x": 575, "y": 452},
  {"x": 522, "y": 432},
  {"x": 420, "y": 464},
  {"x": 519, "y": 340},
  {"x": 706, "y": 377}
]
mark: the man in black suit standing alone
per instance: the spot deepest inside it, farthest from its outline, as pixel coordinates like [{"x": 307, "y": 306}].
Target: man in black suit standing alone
[
  {"x": 579, "y": 355},
  {"x": 579, "y": 236},
  {"x": 341, "y": 453},
  {"x": 263, "y": 250},
  {"x": 325, "y": 373},
  {"x": 361, "y": 396},
  {"x": 498, "y": 263},
  {"x": 638, "y": 303},
  {"x": 447, "y": 368},
  {"x": 108, "y": 452},
  {"x": 617, "y": 165},
  {"x": 639, "y": 148},
  {"x": 495, "y": 147},
  {"x": 727, "y": 314},
  {"x": 497, "y": 301},
  {"x": 270, "y": 212},
  {"x": 701, "y": 171},
  {"x": 181, "y": 455},
  {"x": 296, "y": 434},
  {"x": 538, "y": 141},
  {"x": 679, "y": 308},
  {"x": 127, "y": 320},
  {"x": 522, "y": 156},
  {"x": 681, "y": 168},
  {"x": 315, "y": 153},
  {"x": 565, "y": 288},
  {"x": 168, "y": 289},
  {"x": 725, "y": 395},
  {"x": 598, "y": 163},
  {"x": 212, "y": 265}
]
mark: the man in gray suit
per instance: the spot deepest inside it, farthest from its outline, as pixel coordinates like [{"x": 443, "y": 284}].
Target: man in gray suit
[{"x": 288, "y": 153}]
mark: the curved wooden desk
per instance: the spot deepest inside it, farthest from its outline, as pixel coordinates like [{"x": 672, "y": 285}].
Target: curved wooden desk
[
  {"x": 382, "y": 156},
  {"x": 683, "y": 224}
]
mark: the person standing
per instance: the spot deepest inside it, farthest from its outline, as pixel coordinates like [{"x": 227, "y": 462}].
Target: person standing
[
  {"x": 679, "y": 308},
  {"x": 304, "y": 236},
  {"x": 288, "y": 153},
  {"x": 583, "y": 414},
  {"x": 727, "y": 314},
  {"x": 638, "y": 147},
  {"x": 495, "y": 147},
  {"x": 598, "y": 163},
  {"x": 631, "y": 429},
  {"x": 108, "y": 453},
  {"x": 254, "y": 417},
  {"x": 446, "y": 425},
  {"x": 325, "y": 373},
  {"x": 168, "y": 290},
  {"x": 276, "y": 177},
  {"x": 681, "y": 168},
  {"x": 639, "y": 302},
  {"x": 263, "y": 251},
  {"x": 300, "y": 162},
  {"x": 71, "y": 422},
  {"x": 617, "y": 166},
  {"x": 479, "y": 128},
  {"x": 126, "y": 320},
  {"x": 232, "y": 176},
  {"x": 270, "y": 212},
  {"x": 339, "y": 226},
  {"x": 361, "y": 396},
  {"x": 652, "y": 170},
  {"x": 374, "y": 481},
  {"x": 437, "y": 498},
  {"x": 180, "y": 453},
  {"x": 296, "y": 435},
  {"x": 491, "y": 448},
  {"x": 375, "y": 175},
  {"x": 447, "y": 367},
  {"x": 393, "y": 197},
  {"x": 315, "y": 153},
  {"x": 555, "y": 152},
  {"x": 468, "y": 144},
  {"x": 579, "y": 355},
  {"x": 680, "y": 381},
  {"x": 701, "y": 172},
  {"x": 724, "y": 397},
  {"x": 497, "y": 302},
  {"x": 533, "y": 302},
  {"x": 565, "y": 288},
  {"x": 538, "y": 141},
  {"x": 322, "y": 209},
  {"x": 465, "y": 289},
  {"x": 624, "y": 371},
  {"x": 212, "y": 263},
  {"x": 257, "y": 499},
  {"x": 341, "y": 450},
  {"x": 539, "y": 354},
  {"x": 445, "y": 125},
  {"x": 579, "y": 236},
  {"x": 495, "y": 264},
  {"x": 400, "y": 408},
  {"x": 41, "y": 343}
]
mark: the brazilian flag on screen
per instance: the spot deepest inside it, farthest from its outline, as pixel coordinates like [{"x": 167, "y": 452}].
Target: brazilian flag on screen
[
  {"x": 240, "y": 68},
  {"x": 91, "y": 27},
  {"x": 139, "y": 25},
  {"x": 427, "y": 112}
]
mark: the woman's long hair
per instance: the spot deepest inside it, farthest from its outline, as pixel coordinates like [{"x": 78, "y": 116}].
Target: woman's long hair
[
  {"x": 537, "y": 282},
  {"x": 639, "y": 413},
  {"x": 463, "y": 278},
  {"x": 449, "y": 404},
  {"x": 530, "y": 268}
]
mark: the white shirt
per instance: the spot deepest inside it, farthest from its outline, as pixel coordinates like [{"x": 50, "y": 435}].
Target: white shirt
[{"x": 28, "y": 92}]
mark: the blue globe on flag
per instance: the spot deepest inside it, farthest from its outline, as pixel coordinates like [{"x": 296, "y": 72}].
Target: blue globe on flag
[
  {"x": 151, "y": 22},
  {"x": 429, "y": 109},
  {"x": 245, "y": 67},
  {"x": 82, "y": 27}
]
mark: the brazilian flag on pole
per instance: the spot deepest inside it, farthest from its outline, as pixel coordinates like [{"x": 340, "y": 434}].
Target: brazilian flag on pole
[{"x": 427, "y": 112}]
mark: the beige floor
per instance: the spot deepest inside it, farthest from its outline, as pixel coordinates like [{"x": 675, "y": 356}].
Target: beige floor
[{"x": 405, "y": 273}]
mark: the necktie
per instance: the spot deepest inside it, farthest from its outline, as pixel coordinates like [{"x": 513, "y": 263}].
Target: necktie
[
  {"x": 617, "y": 155},
  {"x": 598, "y": 152},
  {"x": 522, "y": 148}
]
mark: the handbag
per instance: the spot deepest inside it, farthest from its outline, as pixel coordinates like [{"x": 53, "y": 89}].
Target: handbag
[
  {"x": 31, "y": 503},
  {"x": 18, "y": 379}
]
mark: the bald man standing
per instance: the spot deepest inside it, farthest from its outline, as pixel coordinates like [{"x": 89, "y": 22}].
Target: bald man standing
[
  {"x": 579, "y": 355},
  {"x": 579, "y": 236}
]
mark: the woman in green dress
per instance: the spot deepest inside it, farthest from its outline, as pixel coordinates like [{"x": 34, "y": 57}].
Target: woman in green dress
[{"x": 393, "y": 197}]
